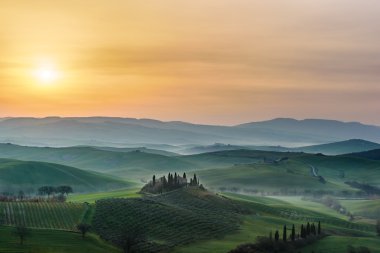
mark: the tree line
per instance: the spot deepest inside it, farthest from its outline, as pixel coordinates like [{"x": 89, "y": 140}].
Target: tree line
[
  {"x": 49, "y": 190},
  {"x": 304, "y": 232},
  {"x": 170, "y": 182},
  {"x": 289, "y": 241}
]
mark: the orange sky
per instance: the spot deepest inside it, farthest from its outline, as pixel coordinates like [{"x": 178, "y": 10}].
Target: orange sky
[{"x": 214, "y": 61}]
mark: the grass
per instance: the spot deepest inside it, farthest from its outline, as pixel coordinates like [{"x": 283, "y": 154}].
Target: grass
[
  {"x": 338, "y": 244},
  {"x": 288, "y": 177},
  {"x": 92, "y": 197},
  {"x": 311, "y": 205},
  {"x": 46, "y": 215},
  {"x": 269, "y": 216},
  {"x": 53, "y": 241},
  {"x": 365, "y": 208},
  {"x": 23, "y": 175}
]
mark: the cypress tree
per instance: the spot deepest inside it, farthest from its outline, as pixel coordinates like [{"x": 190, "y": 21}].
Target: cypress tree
[
  {"x": 302, "y": 231},
  {"x": 308, "y": 229},
  {"x": 319, "y": 227},
  {"x": 175, "y": 179},
  {"x": 284, "y": 234},
  {"x": 195, "y": 181},
  {"x": 293, "y": 235},
  {"x": 154, "y": 180},
  {"x": 276, "y": 236}
]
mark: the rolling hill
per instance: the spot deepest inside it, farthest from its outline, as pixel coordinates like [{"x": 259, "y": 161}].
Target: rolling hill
[
  {"x": 168, "y": 220},
  {"x": 283, "y": 171},
  {"x": 120, "y": 132},
  {"x": 29, "y": 176},
  {"x": 132, "y": 164},
  {"x": 342, "y": 147},
  {"x": 372, "y": 154},
  {"x": 334, "y": 148}
]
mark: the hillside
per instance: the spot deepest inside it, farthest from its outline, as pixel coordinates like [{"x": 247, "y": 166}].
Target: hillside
[
  {"x": 192, "y": 220},
  {"x": 134, "y": 163},
  {"x": 342, "y": 147},
  {"x": 120, "y": 132},
  {"x": 283, "y": 171},
  {"x": 29, "y": 176},
  {"x": 371, "y": 154},
  {"x": 168, "y": 220}
]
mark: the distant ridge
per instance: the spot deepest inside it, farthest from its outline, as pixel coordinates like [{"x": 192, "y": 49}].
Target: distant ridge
[
  {"x": 341, "y": 147},
  {"x": 371, "y": 154},
  {"x": 121, "y": 132}
]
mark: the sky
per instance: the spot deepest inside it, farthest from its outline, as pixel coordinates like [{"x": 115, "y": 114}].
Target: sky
[{"x": 202, "y": 61}]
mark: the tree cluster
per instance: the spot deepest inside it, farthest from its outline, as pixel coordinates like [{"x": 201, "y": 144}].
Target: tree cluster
[
  {"x": 304, "y": 232},
  {"x": 169, "y": 183},
  {"x": 51, "y": 190},
  {"x": 194, "y": 181},
  {"x": 282, "y": 243}
]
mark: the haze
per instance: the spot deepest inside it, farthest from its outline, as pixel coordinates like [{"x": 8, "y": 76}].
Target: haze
[{"x": 216, "y": 61}]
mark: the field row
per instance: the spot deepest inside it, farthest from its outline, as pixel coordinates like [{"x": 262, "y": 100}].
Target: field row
[{"x": 49, "y": 215}]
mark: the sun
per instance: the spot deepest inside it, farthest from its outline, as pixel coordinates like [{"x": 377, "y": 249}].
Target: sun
[{"x": 46, "y": 74}]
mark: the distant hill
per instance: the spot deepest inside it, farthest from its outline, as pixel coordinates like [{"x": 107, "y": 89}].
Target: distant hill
[
  {"x": 210, "y": 148},
  {"x": 342, "y": 147},
  {"x": 131, "y": 164},
  {"x": 371, "y": 154},
  {"x": 122, "y": 132},
  {"x": 29, "y": 176},
  {"x": 141, "y": 149},
  {"x": 282, "y": 172}
]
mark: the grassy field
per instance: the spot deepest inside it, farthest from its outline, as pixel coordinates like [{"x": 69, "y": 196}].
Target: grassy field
[
  {"x": 53, "y": 241},
  {"x": 339, "y": 244},
  {"x": 269, "y": 216},
  {"x": 46, "y": 215},
  {"x": 365, "y": 208},
  {"x": 246, "y": 169},
  {"x": 92, "y": 197},
  {"x": 28, "y": 176}
]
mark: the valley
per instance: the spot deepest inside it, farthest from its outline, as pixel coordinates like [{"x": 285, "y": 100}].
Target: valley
[{"x": 242, "y": 195}]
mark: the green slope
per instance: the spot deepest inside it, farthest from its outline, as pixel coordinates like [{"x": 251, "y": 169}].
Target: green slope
[
  {"x": 28, "y": 176},
  {"x": 259, "y": 170},
  {"x": 53, "y": 241},
  {"x": 254, "y": 169},
  {"x": 44, "y": 215},
  {"x": 372, "y": 154},
  {"x": 131, "y": 164},
  {"x": 341, "y": 147},
  {"x": 168, "y": 220}
]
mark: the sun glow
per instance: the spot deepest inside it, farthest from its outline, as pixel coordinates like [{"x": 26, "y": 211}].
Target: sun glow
[{"x": 46, "y": 74}]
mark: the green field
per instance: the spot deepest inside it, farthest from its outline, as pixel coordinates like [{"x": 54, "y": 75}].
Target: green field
[
  {"x": 366, "y": 208},
  {"x": 243, "y": 169},
  {"x": 92, "y": 197},
  {"x": 53, "y": 241},
  {"x": 45, "y": 215},
  {"x": 28, "y": 176},
  {"x": 271, "y": 214}
]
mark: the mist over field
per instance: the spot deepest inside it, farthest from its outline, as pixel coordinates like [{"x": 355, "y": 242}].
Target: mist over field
[{"x": 122, "y": 132}]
